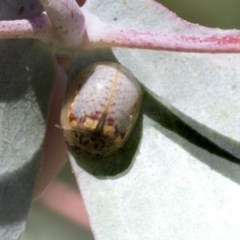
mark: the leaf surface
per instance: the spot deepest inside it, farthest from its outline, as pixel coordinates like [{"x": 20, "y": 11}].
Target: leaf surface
[
  {"x": 26, "y": 78},
  {"x": 182, "y": 183}
]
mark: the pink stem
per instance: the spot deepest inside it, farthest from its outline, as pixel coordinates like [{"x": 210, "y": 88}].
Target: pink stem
[
  {"x": 68, "y": 20},
  {"x": 54, "y": 154},
  {"x": 99, "y": 34},
  {"x": 38, "y": 28},
  {"x": 60, "y": 198},
  {"x": 168, "y": 41}
]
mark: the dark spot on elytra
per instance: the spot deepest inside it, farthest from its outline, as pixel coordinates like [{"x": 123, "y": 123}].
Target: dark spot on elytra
[
  {"x": 20, "y": 10},
  {"x": 76, "y": 149},
  {"x": 98, "y": 156},
  {"x": 84, "y": 140},
  {"x": 72, "y": 117},
  {"x": 110, "y": 121},
  {"x": 93, "y": 139},
  {"x": 76, "y": 135},
  {"x": 98, "y": 146},
  {"x": 121, "y": 149}
]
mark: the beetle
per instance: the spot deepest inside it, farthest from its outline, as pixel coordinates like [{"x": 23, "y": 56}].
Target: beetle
[{"x": 100, "y": 109}]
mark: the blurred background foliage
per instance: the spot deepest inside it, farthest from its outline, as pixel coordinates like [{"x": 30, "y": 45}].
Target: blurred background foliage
[
  {"x": 214, "y": 13},
  {"x": 45, "y": 224}
]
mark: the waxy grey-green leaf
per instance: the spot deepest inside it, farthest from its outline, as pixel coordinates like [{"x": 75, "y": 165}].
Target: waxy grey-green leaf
[
  {"x": 26, "y": 77},
  {"x": 182, "y": 183}
]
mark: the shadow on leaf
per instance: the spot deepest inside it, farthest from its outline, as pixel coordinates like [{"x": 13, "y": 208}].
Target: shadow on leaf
[{"x": 161, "y": 114}]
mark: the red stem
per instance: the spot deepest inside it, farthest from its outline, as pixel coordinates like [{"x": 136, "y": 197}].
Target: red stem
[
  {"x": 61, "y": 199},
  {"x": 222, "y": 43},
  {"x": 99, "y": 34}
]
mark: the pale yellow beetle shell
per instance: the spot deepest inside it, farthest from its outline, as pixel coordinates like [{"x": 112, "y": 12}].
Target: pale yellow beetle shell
[{"x": 100, "y": 110}]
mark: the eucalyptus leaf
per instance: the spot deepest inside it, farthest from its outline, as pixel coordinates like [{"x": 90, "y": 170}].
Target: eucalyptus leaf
[
  {"x": 26, "y": 80},
  {"x": 182, "y": 183},
  {"x": 201, "y": 88},
  {"x": 26, "y": 77}
]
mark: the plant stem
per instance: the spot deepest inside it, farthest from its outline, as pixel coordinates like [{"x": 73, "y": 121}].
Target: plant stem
[
  {"x": 168, "y": 41},
  {"x": 68, "y": 21},
  {"x": 38, "y": 28},
  {"x": 100, "y": 34}
]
